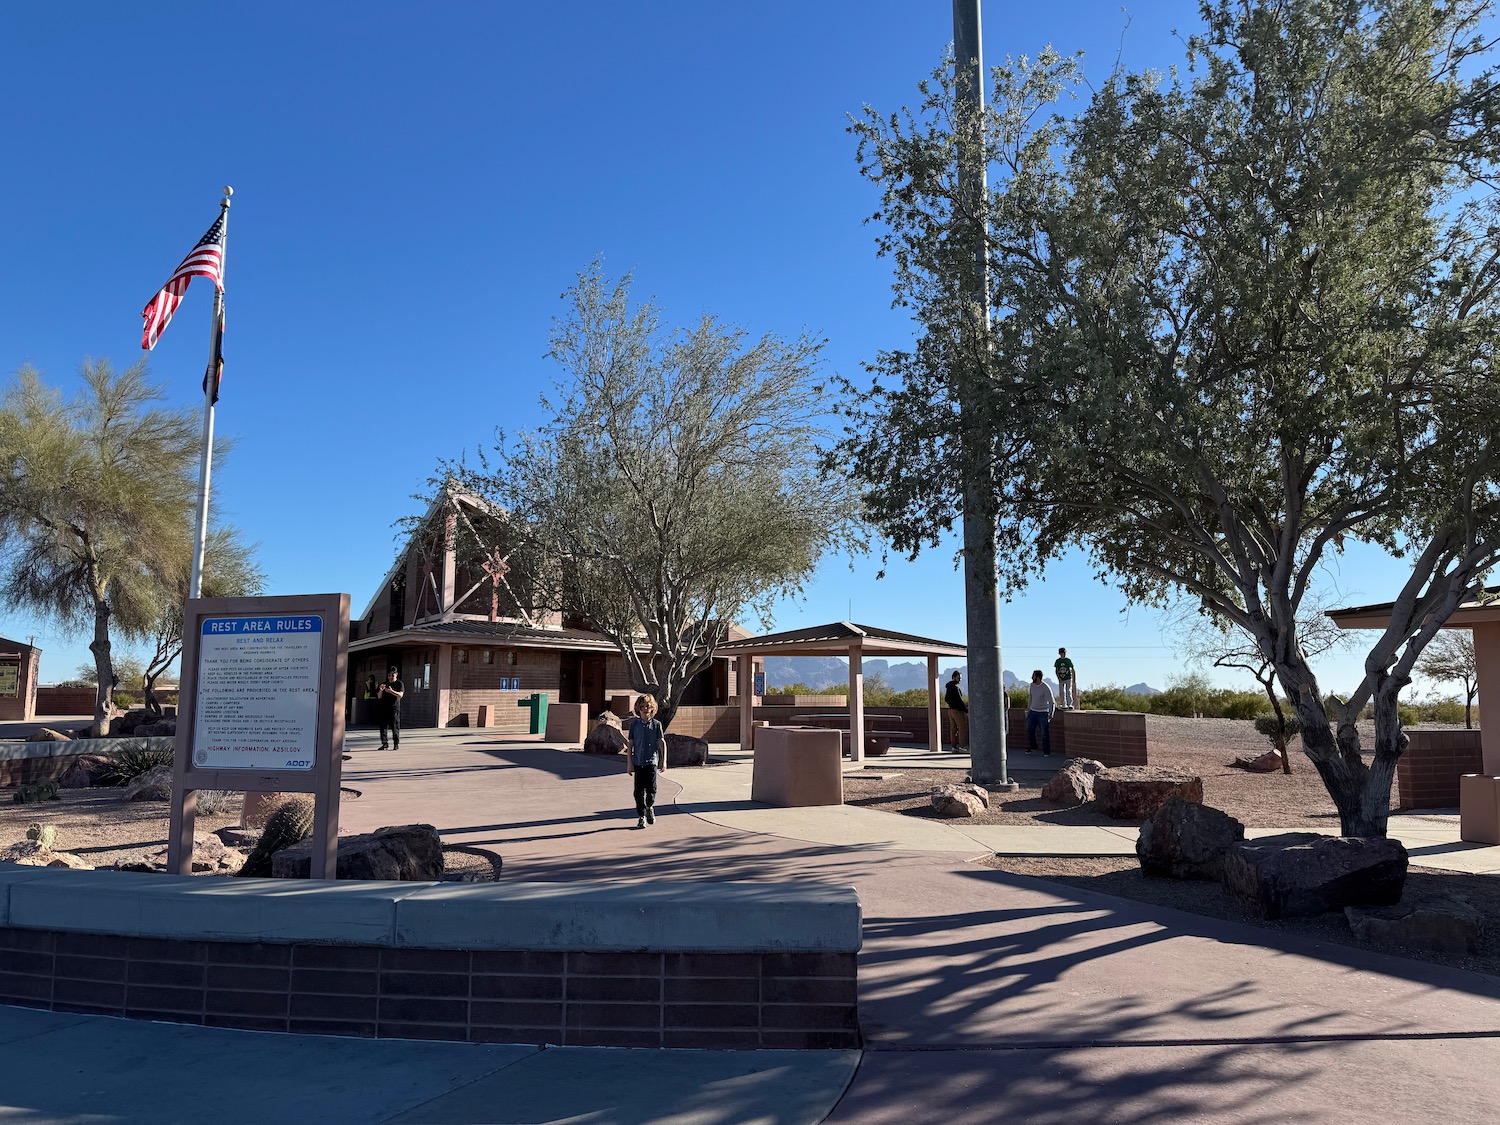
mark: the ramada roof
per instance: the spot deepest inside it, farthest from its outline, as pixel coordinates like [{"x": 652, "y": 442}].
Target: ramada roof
[
  {"x": 837, "y": 638},
  {"x": 486, "y": 633},
  {"x": 1486, "y": 607}
]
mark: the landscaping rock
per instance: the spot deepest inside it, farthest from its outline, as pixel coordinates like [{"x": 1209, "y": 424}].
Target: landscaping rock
[
  {"x": 236, "y": 837},
  {"x": 959, "y": 800},
  {"x": 47, "y": 734},
  {"x": 1298, "y": 874},
  {"x": 1187, "y": 841},
  {"x": 1438, "y": 923},
  {"x": 1269, "y": 762},
  {"x": 685, "y": 750},
  {"x": 153, "y": 785},
  {"x": 606, "y": 737},
  {"x": 158, "y": 729},
  {"x": 128, "y": 724},
  {"x": 210, "y": 856},
  {"x": 407, "y": 853},
  {"x": 1138, "y": 792},
  {"x": 1074, "y": 783},
  {"x": 86, "y": 771},
  {"x": 33, "y": 853}
]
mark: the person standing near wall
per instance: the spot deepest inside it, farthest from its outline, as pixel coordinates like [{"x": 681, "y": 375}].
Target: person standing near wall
[
  {"x": 648, "y": 757},
  {"x": 388, "y": 703},
  {"x": 1067, "y": 681},
  {"x": 1039, "y": 708},
  {"x": 958, "y": 715}
]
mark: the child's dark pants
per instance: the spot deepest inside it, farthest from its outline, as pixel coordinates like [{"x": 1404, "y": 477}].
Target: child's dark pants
[{"x": 645, "y": 789}]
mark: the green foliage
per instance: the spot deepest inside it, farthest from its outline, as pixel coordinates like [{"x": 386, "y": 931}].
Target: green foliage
[
  {"x": 1410, "y": 716},
  {"x": 46, "y": 835},
  {"x": 290, "y": 823},
  {"x": 35, "y": 792},
  {"x": 131, "y": 760},
  {"x": 1279, "y": 732},
  {"x": 129, "y": 671},
  {"x": 1440, "y": 710},
  {"x": 677, "y": 473},
  {"x": 1243, "y": 316},
  {"x": 1020, "y": 698},
  {"x": 96, "y": 505}
]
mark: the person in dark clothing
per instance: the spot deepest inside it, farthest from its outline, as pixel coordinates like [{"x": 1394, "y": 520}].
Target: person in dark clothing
[
  {"x": 648, "y": 757},
  {"x": 388, "y": 703},
  {"x": 958, "y": 715}
]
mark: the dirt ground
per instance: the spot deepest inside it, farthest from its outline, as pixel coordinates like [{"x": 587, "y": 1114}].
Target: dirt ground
[
  {"x": 103, "y": 829},
  {"x": 1204, "y": 747}
]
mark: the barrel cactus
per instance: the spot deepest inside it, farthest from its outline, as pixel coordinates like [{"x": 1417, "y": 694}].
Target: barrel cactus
[{"x": 290, "y": 823}]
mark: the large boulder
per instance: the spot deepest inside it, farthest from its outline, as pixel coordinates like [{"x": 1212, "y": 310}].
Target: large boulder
[
  {"x": 210, "y": 856},
  {"x": 86, "y": 771},
  {"x": 1438, "y": 923},
  {"x": 1074, "y": 783},
  {"x": 685, "y": 750},
  {"x": 1297, "y": 874},
  {"x": 153, "y": 785},
  {"x": 959, "y": 800},
  {"x": 1187, "y": 841},
  {"x": 161, "y": 728},
  {"x": 607, "y": 737},
  {"x": 1138, "y": 792},
  {"x": 1269, "y": 762},
  {"x": 406, "y": 853},
  {"x": 129, "y": 724}
]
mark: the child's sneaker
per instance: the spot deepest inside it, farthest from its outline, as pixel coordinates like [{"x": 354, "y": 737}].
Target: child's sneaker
[
  {"x": 650, "y": 816},
  {"x": 640, "y": 822}
]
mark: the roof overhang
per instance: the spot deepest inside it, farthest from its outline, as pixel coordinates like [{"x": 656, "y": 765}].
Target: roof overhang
[
  {"x": 1479, "y": 611},
  {"x": 840, "y": 638}
]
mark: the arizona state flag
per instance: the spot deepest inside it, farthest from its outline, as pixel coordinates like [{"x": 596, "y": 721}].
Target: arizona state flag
[{"x": 215, "y": 372}]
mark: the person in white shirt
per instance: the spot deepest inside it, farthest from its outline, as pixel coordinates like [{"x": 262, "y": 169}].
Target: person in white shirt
[{"x": 1039, "y": 708}]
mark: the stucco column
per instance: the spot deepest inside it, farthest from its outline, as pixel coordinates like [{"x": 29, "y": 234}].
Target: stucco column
[
  {"x": 856, "y": 702},
  {"x": 746, "y": 686},
  {"x": 1487, "y": 674},
  {"x": 934, "y": 708},
  {"x": 444, "y": 685}
]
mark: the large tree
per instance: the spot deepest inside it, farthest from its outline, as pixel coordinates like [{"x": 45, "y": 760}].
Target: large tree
[
  {"x": 1242, "y": 319},
  {"x": 674, "y": 487},
  {"x": 96, "y": 502}
]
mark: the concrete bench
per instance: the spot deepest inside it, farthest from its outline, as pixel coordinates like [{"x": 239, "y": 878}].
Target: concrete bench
[{"x": 706, "y": 964}]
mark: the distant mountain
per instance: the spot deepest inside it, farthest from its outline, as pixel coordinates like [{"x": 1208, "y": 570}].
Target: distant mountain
[{"x": 1142, "y": 689}]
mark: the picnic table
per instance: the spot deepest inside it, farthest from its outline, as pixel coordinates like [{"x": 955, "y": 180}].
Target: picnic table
[{"x": 880, "y": 730}]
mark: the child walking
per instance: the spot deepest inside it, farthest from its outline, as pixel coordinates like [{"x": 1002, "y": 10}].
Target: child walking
[{"x": 648, "y": 757}]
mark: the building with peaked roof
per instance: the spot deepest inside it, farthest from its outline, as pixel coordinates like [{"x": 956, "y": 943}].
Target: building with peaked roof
[
  {"x": 462, "y": 639},
  {"x": 18, "y": 680}
]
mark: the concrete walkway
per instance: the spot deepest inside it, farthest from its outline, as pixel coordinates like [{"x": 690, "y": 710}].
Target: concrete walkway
[{"x": 983, "y": 995}]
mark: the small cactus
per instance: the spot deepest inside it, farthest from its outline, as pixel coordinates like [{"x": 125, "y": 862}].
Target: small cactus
[
  {"x": 46, "y": 836},
  {"x": 290, "y": 823},
  {"x": 36, "y": 792}
]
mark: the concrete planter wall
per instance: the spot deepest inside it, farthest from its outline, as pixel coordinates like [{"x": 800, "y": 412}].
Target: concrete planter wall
[
  {"x": 23, "y": 762},
  {"x": 658, "y": 965}
]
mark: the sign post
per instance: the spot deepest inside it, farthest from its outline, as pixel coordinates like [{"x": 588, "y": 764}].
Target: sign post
[{"x": 261, "y": 709}]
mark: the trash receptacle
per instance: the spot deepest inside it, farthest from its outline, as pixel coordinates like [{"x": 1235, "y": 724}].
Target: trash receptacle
[{"x": 537, "y": 701}]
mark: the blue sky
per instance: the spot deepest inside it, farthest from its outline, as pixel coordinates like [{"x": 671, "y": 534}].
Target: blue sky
[{"x": 414, "y": 188}]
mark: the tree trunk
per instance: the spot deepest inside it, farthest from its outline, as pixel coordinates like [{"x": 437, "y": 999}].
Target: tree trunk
[
  {"x": 1269, "y": 683},
  {"x": 104, "y": 669}
]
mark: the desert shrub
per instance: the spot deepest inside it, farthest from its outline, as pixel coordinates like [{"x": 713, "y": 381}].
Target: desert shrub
[
  {"x": 1410, "y": 716},
  {"x": 911, "y": 697},
  {"x": 1019, "y": 697},
  {"x": 131, "y": 760},
  {"x": 1279, "y": 732},
  {"x": 212, "y": 802},
  {"x": 1238, "y": 705},
  {"x": 1112, "y": 697},
  {"x": 1439, "y": 710}
]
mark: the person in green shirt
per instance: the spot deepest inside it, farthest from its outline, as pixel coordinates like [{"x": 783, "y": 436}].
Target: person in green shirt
[{"x": 1067, "y": 681}]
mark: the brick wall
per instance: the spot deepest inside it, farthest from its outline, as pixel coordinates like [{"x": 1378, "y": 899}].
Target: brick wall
[
  {"x": 702, "y": 1000},
  {"x": 1427, "y": 774},
  {"x": 65, "y": 701},
  {"x": 477, "y": 684},
  {"x": 1116, "y": 738}
]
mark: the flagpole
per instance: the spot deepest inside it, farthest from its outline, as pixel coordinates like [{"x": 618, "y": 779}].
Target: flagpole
[{"x": 210, "y": 391}]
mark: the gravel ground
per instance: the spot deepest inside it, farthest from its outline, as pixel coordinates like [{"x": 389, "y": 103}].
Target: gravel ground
[
  {"x": 101, "y": 828},
  {"x": 1204, "y": 747},
  {"x": 1123, "y": 877}
]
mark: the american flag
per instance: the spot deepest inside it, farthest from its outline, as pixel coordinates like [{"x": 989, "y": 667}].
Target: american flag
[{"x": 204, "y": 260}]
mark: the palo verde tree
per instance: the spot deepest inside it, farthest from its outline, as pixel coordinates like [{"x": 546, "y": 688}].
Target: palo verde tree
[
  {"x": 674, "y": 487},
  {"x": 1241, "y": 319},
  {"x": 1450, "y": 659},
  {"x": 230, "y": 570},
  {"x": 96, "y": 502}
]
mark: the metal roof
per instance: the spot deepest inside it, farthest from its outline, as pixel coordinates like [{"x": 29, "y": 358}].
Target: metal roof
[
  {"x": 837, "y": 638},
  {"x": 1484, "y": 608},
  {"x": 487, "y": 632}
]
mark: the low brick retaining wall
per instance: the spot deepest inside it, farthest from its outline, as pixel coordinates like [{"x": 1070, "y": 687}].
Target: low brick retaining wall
[
  {"x": 23, "y": 762},
  {"x": 1116, "y": 738},
  {"x": 623, "y": 965},
  {"x": 1427, "y": 774}
]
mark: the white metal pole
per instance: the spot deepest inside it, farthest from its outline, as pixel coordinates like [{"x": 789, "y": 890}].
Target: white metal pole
[{"x": 210, "y": 386}]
